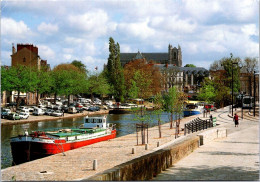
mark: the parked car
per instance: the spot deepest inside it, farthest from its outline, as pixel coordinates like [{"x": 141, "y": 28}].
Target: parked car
[
  {"x": 24, "y": 115},
  {"x": 11, "y": 104},
  {"x": 13, "y": 116},
  {"x": 5, "y": 112},
  {"x": 65, "y": 109},
  {"x": 72, "y": 110},
  {"x": 49, "y": 112},
  {"x": 57, "y": 113},
  {"x": 79, "y": 110},
  {"x": 38, "y": 111},
  {"x": 79, "y": 105},
  {"x": 93, "y": 108}
]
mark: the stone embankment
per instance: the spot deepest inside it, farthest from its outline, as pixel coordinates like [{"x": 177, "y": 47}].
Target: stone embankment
[{"x": 115, "y": 160}]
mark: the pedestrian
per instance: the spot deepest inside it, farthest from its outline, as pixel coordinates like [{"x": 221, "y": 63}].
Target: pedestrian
[
  {"x": 211, "y": 118},
  {"x": 236, "y": 120},
  {"x": 63, "y": 112}
]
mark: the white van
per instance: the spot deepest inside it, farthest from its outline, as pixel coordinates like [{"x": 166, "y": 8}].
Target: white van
[
  {"x": 38, "y": 111},
  {"x": 72, "y": 110}
]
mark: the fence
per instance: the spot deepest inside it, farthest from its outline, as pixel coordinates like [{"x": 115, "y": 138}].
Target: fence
[{"x": 199, "y": 124}]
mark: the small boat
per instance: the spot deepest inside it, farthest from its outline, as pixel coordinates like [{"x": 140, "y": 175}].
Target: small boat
[
  {"x": 40, "y": 144},
  {"x": 191, "y": 109}
]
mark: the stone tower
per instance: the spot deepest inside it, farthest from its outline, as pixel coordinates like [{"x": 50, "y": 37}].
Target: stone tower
[{"x": 175, "y": 55}]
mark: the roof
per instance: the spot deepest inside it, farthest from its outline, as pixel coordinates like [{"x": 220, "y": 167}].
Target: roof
[
  {"x": 147, "y": 56},
  {"x": 187, "y": 70}
]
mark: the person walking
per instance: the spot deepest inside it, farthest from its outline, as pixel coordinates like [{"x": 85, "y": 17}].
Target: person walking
[{"x": 236, "y": 120}]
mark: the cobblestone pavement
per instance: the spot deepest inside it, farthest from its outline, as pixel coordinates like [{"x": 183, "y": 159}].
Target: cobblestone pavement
[{"x": 233, "y": 158}]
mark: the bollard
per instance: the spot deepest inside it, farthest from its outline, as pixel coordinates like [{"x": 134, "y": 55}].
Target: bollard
[
  {"x": 95, "y": 164},
  {"x": 146, "y": 146},
  {"x": 133, "y": 150},
  {"x": 158, "y": 144}
]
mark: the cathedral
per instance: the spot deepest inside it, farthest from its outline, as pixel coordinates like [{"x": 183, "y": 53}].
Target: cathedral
[{"x": 173, "y": 57}]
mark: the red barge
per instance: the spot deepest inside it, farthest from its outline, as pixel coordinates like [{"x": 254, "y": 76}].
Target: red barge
[{"x": 40, "y": 144}]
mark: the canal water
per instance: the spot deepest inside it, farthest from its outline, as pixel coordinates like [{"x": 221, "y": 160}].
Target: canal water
[{"x": 125, "y": 124}]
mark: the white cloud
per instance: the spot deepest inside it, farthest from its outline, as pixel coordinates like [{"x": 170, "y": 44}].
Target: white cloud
[
  {"x": 14, "y": 29},
  {"x": 93, "y": 22},
  {"x": 48, "y": 28},
  {"x": 250, "y": 29},
  {"x": 138, "y": 29},
  {"x": 46, "y": 52}
]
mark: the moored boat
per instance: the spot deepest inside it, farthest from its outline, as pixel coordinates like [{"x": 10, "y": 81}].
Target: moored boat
[
  {"x": 40, "y": 144},
  {"x": 191, "y": 109}
]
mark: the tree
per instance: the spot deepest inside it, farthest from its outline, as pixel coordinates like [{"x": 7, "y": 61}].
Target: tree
[
  {"x": 19, "y": 78},
  {"x": 141, "y": 79},
  {"x": 80, "y": 65},
  {"x": 221, "y": 71},
  {"x": 158, "y": 110},
  {"x": 190, "y": 65},
  {"x": 207, "y": 92},
  {"x": 114, "y": 71},
  {"x": 98, "y": 84},
  {"x": 174, "y": 101},
  {"x": 68, "y": 79},
  {"x": 250, "y": 64},
  {"x": 43, "y": 82}
]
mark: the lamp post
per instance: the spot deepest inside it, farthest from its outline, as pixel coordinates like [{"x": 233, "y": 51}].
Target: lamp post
[
  {"x": 232, "y": 84},
  {"x": 254, "y": 92}
]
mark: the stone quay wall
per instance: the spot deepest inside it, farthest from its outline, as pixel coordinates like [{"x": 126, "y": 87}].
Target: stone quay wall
[{"x": 148, "y": 166}]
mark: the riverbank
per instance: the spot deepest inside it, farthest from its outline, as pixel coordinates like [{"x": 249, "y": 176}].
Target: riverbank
[
  {"x": 33, "y": 118},
  {"x": 78, "y": 163}
]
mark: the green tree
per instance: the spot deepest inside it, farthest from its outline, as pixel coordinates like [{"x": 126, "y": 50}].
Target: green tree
[
  {"x": 68, "y": 80},
  {"x": 43, "y": 82},
  {"x": 190, "y": 65},
  {"x": 98, "y": 84},
  {"x": 114, "y": 71},
  {"x": 207, "y": 92},
  {"x": 158, "y": 110},
  {"x": 82, "y": 67},
  {"x": 174, "y": 101},
  {"x": 19, "y": 78}
]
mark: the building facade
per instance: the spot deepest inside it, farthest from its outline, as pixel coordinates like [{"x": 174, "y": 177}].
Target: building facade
[
  {"x": 173, "y": 56},
  {"x": 26, "y": 55}
]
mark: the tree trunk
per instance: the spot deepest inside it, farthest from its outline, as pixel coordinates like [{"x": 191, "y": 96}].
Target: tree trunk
[
  {"x": 171, "y": 125},
  {"x": 18, "y": 100},
  {"x": 68, "y": 100},
  {"x": 37, "y": 98},
  {"x": 159, "y": 127},
  {"x": 55, "y": 97}
]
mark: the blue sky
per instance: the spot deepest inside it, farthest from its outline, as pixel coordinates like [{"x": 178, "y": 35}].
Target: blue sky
[{"x": 206, "y": 30}]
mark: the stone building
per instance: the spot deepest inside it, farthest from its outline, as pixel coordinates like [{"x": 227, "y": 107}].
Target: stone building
[
  {"x": 27, "y": 55},
  {"x": 173, "y": 56}
]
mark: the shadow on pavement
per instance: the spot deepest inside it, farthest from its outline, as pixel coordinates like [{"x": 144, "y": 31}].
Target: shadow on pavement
[{"x": 209, "y": 173}]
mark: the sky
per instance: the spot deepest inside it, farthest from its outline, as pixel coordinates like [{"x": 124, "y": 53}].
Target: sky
[{"x": 63, "y": 31}]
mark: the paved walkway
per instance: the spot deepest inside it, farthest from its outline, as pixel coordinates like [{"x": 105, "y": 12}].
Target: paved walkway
[{"x": 233, "y": 158}]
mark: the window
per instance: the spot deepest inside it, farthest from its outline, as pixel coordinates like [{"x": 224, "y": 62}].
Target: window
[
  {"x": 24, "y": 59},
  {"x": 174, "y": 55}
]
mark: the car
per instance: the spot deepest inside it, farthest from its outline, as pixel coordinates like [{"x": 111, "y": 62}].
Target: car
[
  {"x": 72, "y": 110},
  {"x": 49, "y": 112},
  {"x": 57, "y": 113},
  {"x": 12, "y": 104},
  {"x": 93, "y": 108},
  {"x": 13, "y": 116},
  {"x": 38, "y": 111},
  {"x": 79, "y": 110},
  {"x": 5, "y": 112},
  {"x": 23, "y": 115}
]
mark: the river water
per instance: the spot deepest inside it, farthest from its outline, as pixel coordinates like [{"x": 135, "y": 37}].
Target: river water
[{"x": 125, "y": 124}]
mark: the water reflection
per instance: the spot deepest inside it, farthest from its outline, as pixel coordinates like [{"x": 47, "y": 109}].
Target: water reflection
[{"x": 124, "y": 124}]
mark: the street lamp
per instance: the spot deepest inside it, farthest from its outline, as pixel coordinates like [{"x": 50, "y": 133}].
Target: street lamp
[{"x": 232, "y": 83}]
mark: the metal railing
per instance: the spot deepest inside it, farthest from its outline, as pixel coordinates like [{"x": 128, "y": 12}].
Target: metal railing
[{"x": 197, "y": 125}]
